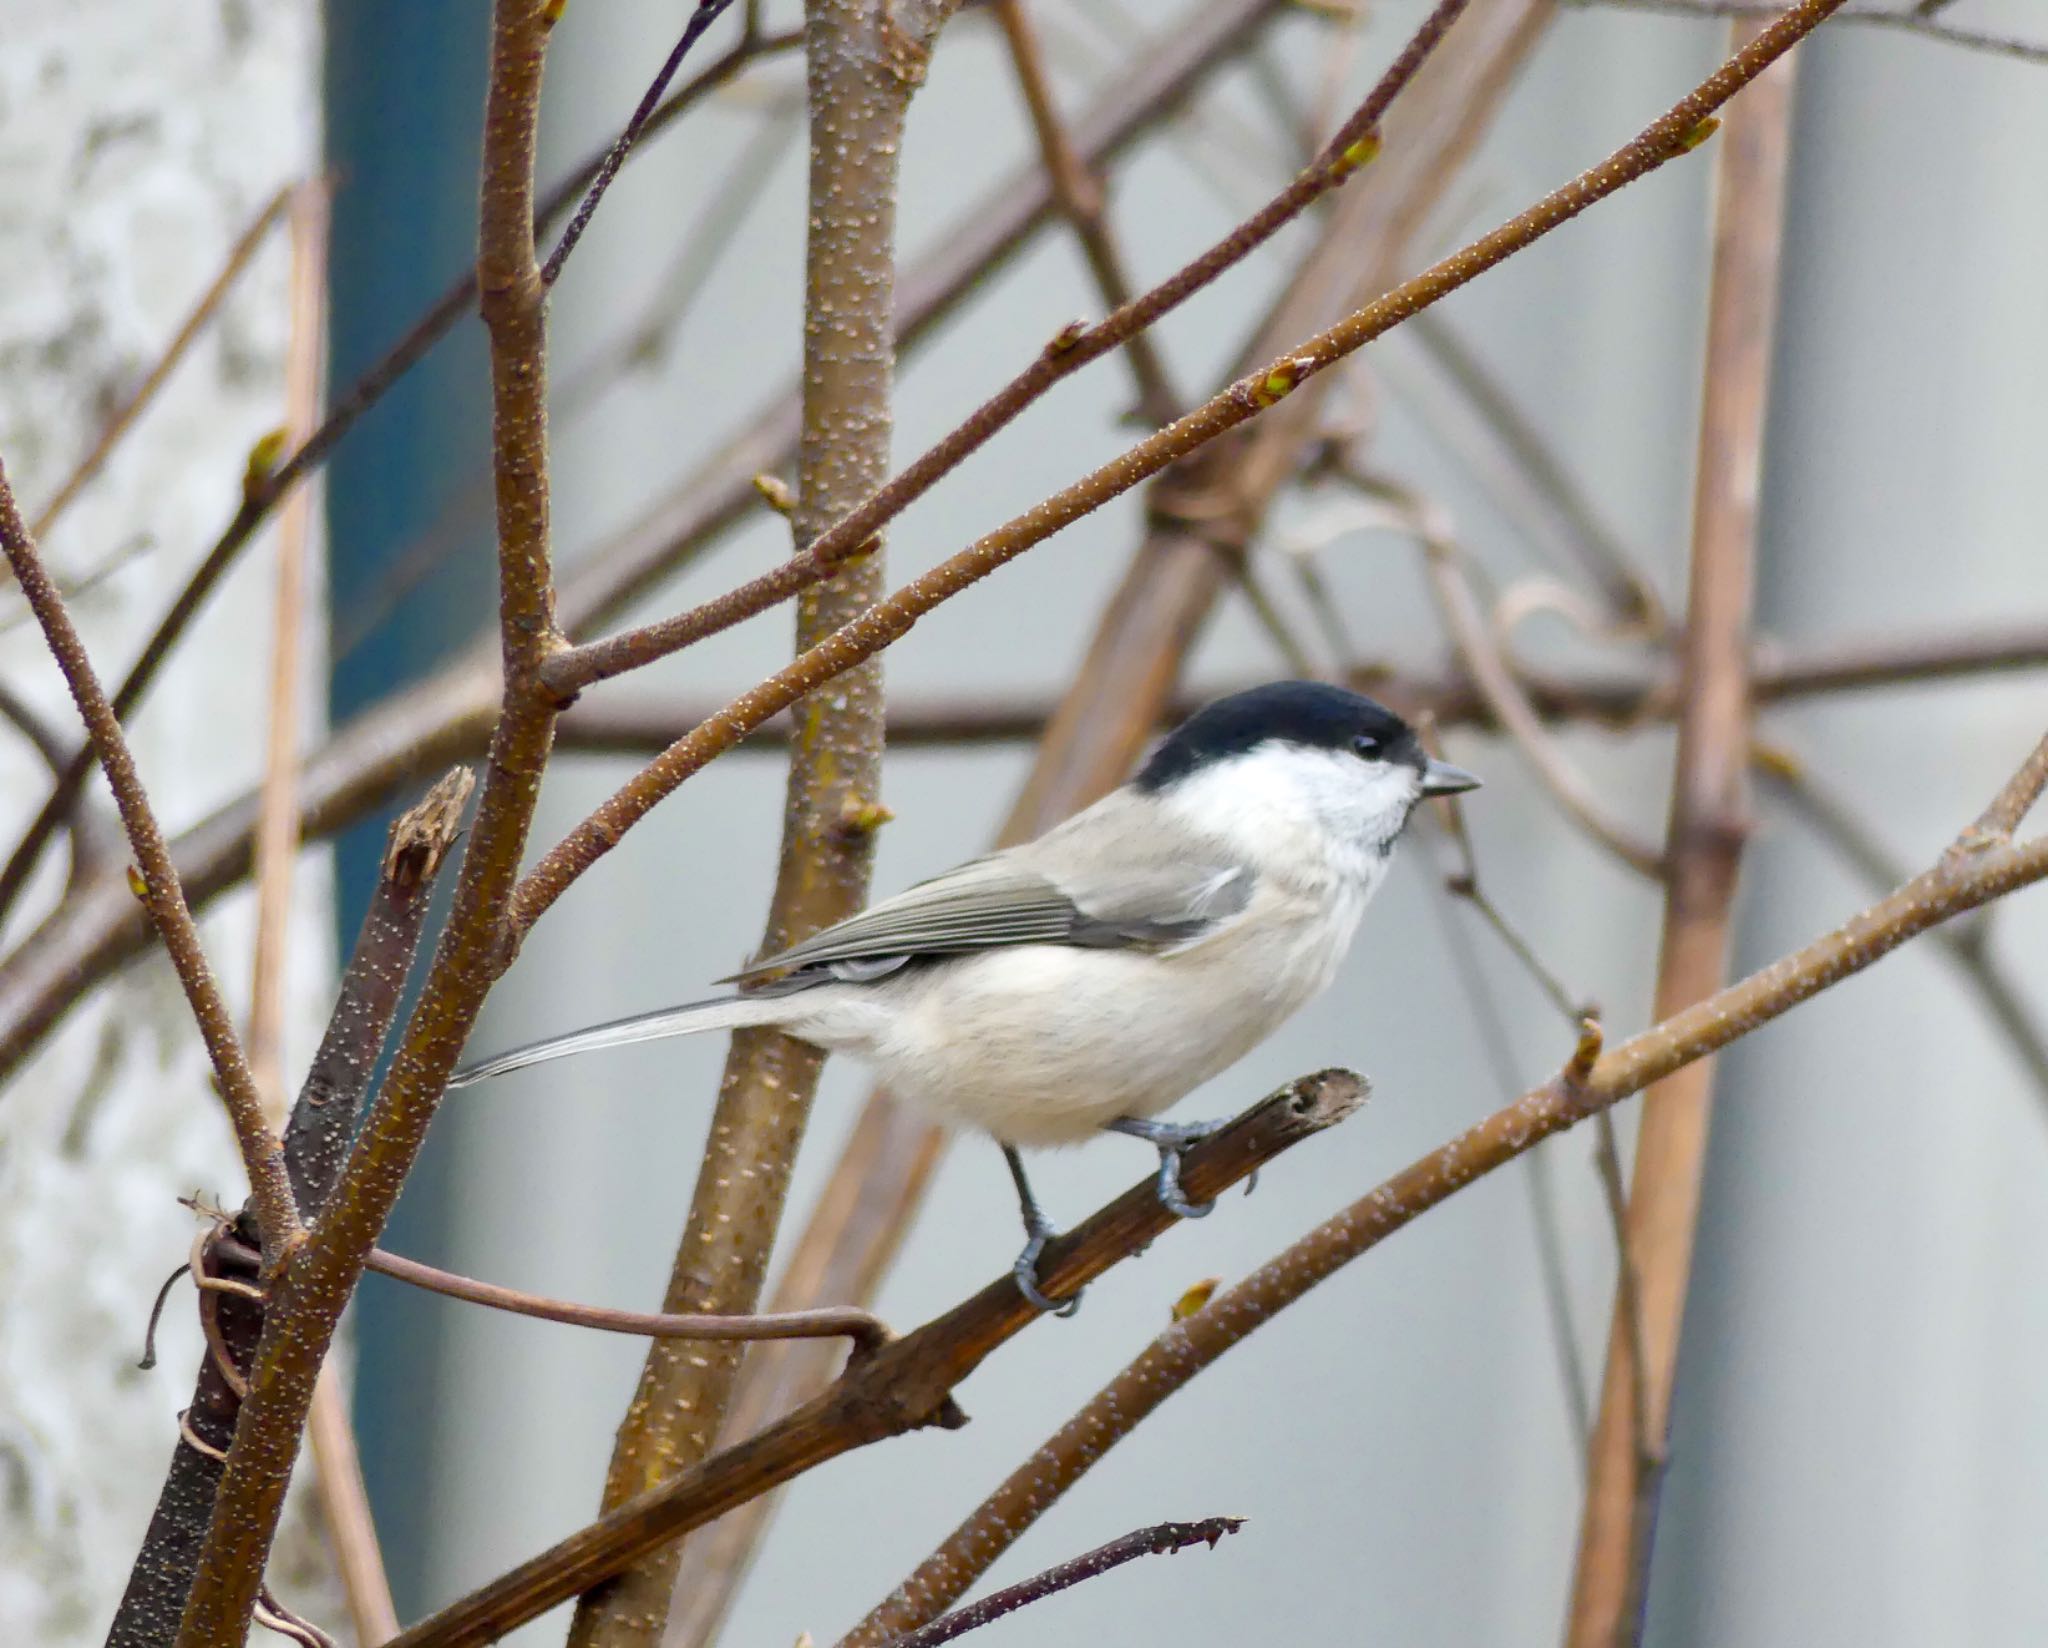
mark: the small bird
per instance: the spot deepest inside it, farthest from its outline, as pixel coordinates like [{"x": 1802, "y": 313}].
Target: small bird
[{"x": 1088, "y": 980}]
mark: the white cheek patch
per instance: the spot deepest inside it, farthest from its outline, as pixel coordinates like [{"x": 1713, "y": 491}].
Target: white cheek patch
[{"x": 1290, "y": 800}]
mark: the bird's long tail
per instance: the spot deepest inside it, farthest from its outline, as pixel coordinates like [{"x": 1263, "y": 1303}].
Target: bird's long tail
[{"x": 728, "y": 1013}]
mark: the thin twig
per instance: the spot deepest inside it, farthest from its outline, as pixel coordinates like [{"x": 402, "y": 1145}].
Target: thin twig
[
  {"x": 1539, "y": 1181},
  {"x": 1464, "y": 884},
  {"x": 705, "y": 14},
  {"x": 1628, "y": 1301},
  {"x": 1162, "y": 1540},
  {"x": 155, "y": 882},
  {"x": 1591, "y": 1082},
  {"x": 1917, "y": 21},
  {"x": 1709, "y": 822},
  {"x": 277, "y": 804},
  {"x": 832, "y": 1322},
  {"x": 904, "y": 1385},
  {"x": 1671, "y": 136},
  {"x": 1080, "y": 195}
]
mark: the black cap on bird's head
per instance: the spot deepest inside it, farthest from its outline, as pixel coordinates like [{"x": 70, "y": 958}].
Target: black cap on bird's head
[{"x": 1308, "y": 714}]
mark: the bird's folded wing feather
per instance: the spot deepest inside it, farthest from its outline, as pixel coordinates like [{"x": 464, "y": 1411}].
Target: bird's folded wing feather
[{"x": 1004, "y": 899}]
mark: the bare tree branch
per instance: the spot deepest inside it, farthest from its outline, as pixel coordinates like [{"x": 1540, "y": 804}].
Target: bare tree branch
[
  {"x": 843, "y": 1322},
  {"x": 1916, "y": 20}
]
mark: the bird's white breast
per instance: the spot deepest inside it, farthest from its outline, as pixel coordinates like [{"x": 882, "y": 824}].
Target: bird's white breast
[{"x": 1044, "y": 1044}]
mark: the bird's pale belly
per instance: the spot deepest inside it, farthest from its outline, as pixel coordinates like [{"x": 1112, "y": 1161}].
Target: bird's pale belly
[{"x": 1042, "y": 1045}]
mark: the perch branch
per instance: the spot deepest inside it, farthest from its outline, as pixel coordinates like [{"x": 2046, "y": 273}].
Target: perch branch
[{"x": 904, "y": 1385}]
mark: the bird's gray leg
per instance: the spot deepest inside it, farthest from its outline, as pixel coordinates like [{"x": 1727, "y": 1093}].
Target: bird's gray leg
[
  {"x": 1173, "y": 1140},
  {"x": 1038, "y": 1231}
]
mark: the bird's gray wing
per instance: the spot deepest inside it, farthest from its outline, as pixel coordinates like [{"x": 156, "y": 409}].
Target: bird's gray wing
[{"x": 1007, "y": 899}]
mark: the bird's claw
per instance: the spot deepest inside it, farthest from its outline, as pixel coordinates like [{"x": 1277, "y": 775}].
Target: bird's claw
[
  {"x": 1168, "y": 1187},
  {"x": 1026, "y": 1272},
  {"x": 1172, "y": 1140}
]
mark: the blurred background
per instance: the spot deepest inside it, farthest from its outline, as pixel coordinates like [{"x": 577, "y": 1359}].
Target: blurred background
[{"x": 1860, "y": 1449}]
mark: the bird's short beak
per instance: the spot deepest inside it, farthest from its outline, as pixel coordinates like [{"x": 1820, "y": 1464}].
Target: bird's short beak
[{"x": 1441, "y": 778}]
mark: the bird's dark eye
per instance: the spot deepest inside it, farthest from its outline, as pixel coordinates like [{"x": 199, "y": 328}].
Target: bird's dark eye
[{"x": 1365, "y": 746}]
